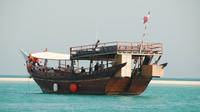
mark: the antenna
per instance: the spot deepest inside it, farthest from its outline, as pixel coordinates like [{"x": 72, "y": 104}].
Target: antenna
[{"x": 96, "y": 32}]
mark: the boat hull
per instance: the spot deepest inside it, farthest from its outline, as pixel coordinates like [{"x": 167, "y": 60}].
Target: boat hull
[
  {"x": 102, "y": 86},
  {"x": 100, "y": 82}
]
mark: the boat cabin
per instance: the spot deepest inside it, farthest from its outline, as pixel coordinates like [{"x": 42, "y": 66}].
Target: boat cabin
[{"x": 136, "y": 55}]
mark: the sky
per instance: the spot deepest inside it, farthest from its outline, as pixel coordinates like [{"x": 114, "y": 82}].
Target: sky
[{"x": 59, "y": 24}]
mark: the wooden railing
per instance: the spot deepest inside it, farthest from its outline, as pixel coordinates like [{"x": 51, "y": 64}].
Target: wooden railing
[
  {"x": 140, "y": 48},
  {"x": 136, "y": 48}
]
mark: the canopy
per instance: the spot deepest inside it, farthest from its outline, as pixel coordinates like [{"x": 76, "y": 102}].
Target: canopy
[{"x": 51, "y": 56}]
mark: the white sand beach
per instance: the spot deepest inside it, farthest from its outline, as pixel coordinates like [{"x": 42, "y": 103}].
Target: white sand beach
[
  {"x": 166, "y": 82},
  {"x": 15, "y": 79},
  {"x": 173, "y": 82}
]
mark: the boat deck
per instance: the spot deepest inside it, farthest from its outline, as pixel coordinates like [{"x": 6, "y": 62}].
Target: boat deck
[{"x": 113, "y": 48}]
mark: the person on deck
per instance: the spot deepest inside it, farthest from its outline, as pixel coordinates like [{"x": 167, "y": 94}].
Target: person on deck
[
  {"x": 68, "y": 68},
  {"x": 82, "y": 70},
  {"x": 96, "y": 67}
]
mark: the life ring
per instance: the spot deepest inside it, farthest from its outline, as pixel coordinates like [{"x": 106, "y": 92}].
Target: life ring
[{"x": 73, "y": 87}]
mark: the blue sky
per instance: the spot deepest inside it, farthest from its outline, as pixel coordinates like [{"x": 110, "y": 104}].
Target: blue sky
[{"x": 58, "y": 24}]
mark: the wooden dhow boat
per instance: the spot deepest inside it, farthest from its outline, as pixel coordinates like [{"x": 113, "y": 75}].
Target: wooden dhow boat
[{"x": 112, "y": 68}]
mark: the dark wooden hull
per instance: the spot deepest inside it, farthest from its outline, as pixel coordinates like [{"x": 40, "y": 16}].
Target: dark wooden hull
[
  {"x": 127, "y": 86},
  {"x": 104, "y": 86},
  {"x": 101, "y": 82}
]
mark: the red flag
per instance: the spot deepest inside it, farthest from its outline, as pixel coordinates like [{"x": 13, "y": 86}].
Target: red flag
[{"x": 146, "y": 18}]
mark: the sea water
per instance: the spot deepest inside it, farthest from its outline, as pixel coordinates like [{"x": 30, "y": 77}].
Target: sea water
[{"x": 27, "y": 97}]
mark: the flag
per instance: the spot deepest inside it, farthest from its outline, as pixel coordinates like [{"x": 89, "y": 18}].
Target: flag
[{"x": 146, "y": 18}]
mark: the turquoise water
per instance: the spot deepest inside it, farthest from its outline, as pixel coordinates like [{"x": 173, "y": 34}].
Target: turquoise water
[{"x": 27, "y": 97}]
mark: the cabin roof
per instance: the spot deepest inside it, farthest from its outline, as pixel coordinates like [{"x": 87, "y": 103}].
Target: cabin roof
[{"x": 51, "y": 56}]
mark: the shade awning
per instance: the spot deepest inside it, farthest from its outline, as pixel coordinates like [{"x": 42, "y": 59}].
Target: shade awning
[{"x": 51, "y": 56}]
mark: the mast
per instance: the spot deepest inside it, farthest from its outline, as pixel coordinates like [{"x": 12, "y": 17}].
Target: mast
[{"x": 145, "y": 22}]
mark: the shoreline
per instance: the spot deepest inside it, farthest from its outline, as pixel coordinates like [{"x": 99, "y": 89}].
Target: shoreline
[
  {"x": 162, "y": 82},
  {"x": 173, "y": 82},
  {"x": 15, "y": 79}
]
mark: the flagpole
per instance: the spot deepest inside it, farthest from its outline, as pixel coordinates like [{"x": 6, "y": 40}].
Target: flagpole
[{"x": 146, "y": 20}]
